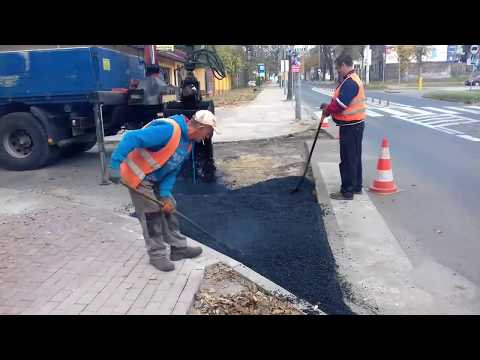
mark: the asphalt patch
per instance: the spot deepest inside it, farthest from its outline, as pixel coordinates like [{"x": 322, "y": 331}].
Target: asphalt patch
[{"x": 275, "y": 233}]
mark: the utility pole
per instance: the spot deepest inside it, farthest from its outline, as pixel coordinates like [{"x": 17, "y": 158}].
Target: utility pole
[
  {"x": 367, "y": 64},
  {"x": 399, "y": 71},
  {"x": 284, "y": 61},
  {"x": 319, "y": 61},
  {"x": 290, "y": 78},
  {"x": 298, "y": 96},
  {"x": 384, "y": 58}
]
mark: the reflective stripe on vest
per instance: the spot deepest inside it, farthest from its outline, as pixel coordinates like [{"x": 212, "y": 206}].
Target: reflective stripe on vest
[
  {"x": 356, "y": 110},
  {"x": 141, "y": 162}
]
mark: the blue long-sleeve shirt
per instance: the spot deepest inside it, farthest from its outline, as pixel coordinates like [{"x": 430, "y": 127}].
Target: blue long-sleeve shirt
[{"x": 155, "y": 136}]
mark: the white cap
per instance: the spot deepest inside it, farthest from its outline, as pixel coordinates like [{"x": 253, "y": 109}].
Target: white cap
[{"x": 206, "y": 117}]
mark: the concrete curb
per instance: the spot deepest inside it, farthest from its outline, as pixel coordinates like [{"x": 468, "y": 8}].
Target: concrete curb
[
  {"x": 187, "y": 297},
  {"x": 275, "y": 289}
]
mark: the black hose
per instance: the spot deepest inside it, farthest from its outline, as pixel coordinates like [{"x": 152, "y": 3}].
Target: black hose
[{"x": 212, "y": 60}]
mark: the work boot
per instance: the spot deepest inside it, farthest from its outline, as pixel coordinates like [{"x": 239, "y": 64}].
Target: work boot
[
  {"x": 187, "y": 252},
  {"x": 162, "y": 264},
  {"x": 341, "y": 196}
]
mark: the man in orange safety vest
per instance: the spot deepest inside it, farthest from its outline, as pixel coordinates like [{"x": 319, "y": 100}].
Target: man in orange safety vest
[
  {"x": 149, "y": 160},
  {"x": 348, "y": 111}
]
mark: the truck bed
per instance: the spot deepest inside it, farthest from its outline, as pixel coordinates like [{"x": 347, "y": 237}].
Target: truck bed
[{"x": 59, "y": 75}]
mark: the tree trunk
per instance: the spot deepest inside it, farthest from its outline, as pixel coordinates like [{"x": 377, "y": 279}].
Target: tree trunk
[
  {"x": 331, "y": 70},
  {"x": 399, "y": 72}
]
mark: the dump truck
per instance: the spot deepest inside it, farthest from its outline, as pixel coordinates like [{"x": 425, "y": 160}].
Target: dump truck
[
  {"x": 65, "y": 100},
  {"x": 48, "y": 99}
]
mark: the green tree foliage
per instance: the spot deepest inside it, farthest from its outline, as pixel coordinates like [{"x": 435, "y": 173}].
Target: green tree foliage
[
  {"x": 233, "y": 58},
  {"x": 405, "y": 55},
  {"x": 355, "y": 51},
  {"x": 420, "y": 52}
]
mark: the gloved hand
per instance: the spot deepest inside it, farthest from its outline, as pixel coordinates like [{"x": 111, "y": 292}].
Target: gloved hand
[
  {"x": 324, "y": 106},
  {"x": 114, "y": 175},
  {"x": 168, "y": 205}
]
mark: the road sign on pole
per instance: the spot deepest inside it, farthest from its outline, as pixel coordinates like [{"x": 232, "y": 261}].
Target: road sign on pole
[
  {"x": 261, "y": 70},
  {"x": 295, "y": 68}
]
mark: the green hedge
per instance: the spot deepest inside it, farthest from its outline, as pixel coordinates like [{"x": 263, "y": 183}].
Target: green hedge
[{"x": 466, "y": 96}]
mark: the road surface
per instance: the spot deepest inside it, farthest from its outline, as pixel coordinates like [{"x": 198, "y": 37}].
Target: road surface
[{"x": 435, "y": 151}]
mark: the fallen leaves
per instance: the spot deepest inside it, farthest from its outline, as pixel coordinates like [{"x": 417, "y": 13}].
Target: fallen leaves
[
  {"x": 244, "y": 303},
  {"x": 250, "y": 301}
]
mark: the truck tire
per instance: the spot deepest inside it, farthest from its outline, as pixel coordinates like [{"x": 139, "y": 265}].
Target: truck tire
[{"x": 24, "y": 143}]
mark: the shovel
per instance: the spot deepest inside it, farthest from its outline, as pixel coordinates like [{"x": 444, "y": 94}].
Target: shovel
[
  {"x": 184, "y": 217},
  {"x": 309, "y": 156}
]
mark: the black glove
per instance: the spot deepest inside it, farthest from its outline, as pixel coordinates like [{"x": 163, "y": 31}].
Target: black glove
[{"x": 114, "y": 175}]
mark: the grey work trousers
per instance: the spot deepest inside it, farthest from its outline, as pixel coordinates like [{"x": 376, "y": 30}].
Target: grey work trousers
[{"x": 159, "y": 229}]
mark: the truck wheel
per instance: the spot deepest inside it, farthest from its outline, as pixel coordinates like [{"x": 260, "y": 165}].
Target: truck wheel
[{"x": 24, "y": 142}]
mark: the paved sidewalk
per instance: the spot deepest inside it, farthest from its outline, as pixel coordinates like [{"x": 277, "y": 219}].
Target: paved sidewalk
[
  {"x": 59, "y": 257},
  {"x": 70, "y": 249},
  {"x": 268, "y": 115}
]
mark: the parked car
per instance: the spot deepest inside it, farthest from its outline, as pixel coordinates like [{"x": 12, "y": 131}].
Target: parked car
[
  {"x": 252, "y": 83},
  {"x": 474, "y": 81}
]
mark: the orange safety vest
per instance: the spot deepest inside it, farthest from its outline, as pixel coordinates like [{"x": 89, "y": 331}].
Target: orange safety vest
[
  {"x": 357, "y": 109},
  {"x": 141, "y": 162}
]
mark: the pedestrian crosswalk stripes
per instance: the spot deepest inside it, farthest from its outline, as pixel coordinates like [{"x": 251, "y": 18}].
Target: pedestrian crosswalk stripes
[
  {"x": 441, "y": 118},
  {"x": 468, "y": 137},
  {"x": 445, "y": 111},
  {"x": 415, "y": 110},
  {"x": 373, "y": 113},
  {"x": 463, "y": 109},
  {"x": 391, "y": 111},
  {"x": 444, "y": 121}
]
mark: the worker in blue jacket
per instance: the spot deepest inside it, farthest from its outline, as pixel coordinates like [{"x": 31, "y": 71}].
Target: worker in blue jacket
[{"x": 159, "y": 224}]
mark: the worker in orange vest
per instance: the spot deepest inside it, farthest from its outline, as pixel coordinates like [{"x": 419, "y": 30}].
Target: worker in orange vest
[
  {"x": 149, "y": 160},
  {"x": 348, "y": 111}
]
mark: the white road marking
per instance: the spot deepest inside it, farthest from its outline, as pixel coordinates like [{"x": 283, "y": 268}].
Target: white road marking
[
  {"x": 468, "y": 137},
  {"x": 436, "y": 118},
  {"x": 440, "y": 110},
  {"x": 391, "y": 111},
  {"x": 428, "y": 118},
  {"x": 451, "y": 122},
  {"x": 463, "y": 109},
  {"x": 373, "y": 113},
  {"x": 416, "y": 110}
]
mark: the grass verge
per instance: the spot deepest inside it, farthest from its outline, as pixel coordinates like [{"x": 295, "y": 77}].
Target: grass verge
[
  {"x": 467, "y": 96},
  {"x": 234, "y": 96}
]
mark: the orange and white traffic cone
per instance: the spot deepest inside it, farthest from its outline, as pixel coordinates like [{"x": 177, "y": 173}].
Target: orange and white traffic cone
[
  {"x": 325, "y": 124},
  {"x": 383, "y": 183}
]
